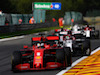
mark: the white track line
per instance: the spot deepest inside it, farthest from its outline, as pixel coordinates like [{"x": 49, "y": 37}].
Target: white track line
[
  {"x": 12, "y": 38},
  {"x": 76, "y": 62},
  {"x": 18, "y": 37},
  {"x": 95, "y": 50}
]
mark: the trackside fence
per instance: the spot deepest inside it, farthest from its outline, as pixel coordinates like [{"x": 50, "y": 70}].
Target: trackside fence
[{"x": 15, "y": 28}]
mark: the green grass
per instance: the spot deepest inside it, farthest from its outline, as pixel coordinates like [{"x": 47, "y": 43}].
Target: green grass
[{"x": 18, "y": 33}]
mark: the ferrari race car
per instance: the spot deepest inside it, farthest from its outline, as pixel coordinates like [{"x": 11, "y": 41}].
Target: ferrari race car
[{"x": 44, "y": 54}]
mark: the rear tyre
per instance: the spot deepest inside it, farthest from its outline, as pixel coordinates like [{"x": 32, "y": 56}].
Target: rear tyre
[
  {"x": 88, "y": 52},
  {"x": 16, "y": 59},
  {"x": 86, "y": 48},
  {"x": 97, "y": 34}
]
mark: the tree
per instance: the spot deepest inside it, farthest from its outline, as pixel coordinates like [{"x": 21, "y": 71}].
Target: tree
[
  {"x": 25, "y": 6},
  {"x": 5, "y": 6}
]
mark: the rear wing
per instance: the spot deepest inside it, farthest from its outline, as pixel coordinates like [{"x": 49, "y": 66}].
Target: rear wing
[
  {"x": 36, "y": 39},
  {"x": 52, "y": 40},
  {"x": 49, "y": 38},
  {"x": 57, "y": 30}
]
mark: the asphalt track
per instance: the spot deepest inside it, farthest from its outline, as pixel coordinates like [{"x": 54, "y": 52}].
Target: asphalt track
[{"x": 7, "y": 47}]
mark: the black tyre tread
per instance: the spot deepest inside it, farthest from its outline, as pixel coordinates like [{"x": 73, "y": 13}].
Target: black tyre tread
[
  {"x": 97, "y": 34},
  {"x": 68, "y": 55},
  {"x": 86, "y": 45},
  {"x": 60, "y": 55},
  {"x": 16, "y": 59}
]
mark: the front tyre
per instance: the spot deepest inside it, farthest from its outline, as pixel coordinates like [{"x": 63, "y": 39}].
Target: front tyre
[
  {"x": 16, "y": 59},
  {"x": 60, "y": 55}
]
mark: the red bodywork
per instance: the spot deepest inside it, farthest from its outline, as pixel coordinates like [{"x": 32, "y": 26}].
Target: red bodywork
[
  {"x": 38, "y": 59},
  {"x": 87, "y": 28},
  {"x": 58, "y": 30}
]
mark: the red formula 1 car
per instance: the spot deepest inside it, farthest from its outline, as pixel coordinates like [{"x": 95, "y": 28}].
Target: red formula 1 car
[{"x": 44, "y": 54}]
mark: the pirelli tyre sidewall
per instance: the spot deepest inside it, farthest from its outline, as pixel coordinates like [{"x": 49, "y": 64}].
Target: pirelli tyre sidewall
[
  {"x": 86, "y": 48},
  {"x": 16, "y": 59}
]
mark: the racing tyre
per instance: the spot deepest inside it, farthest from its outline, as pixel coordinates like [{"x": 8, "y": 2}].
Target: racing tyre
[
  {"x": 86, "y": 48},
  {"x": 16, "y": 59},
  {"x": 60, "y": 55},
  {"x": 92, "y": 36},
  {"x": 68, "y": 56},
  {"x": 97, "y": 34},
  {"x": 88, "y": 52}
]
